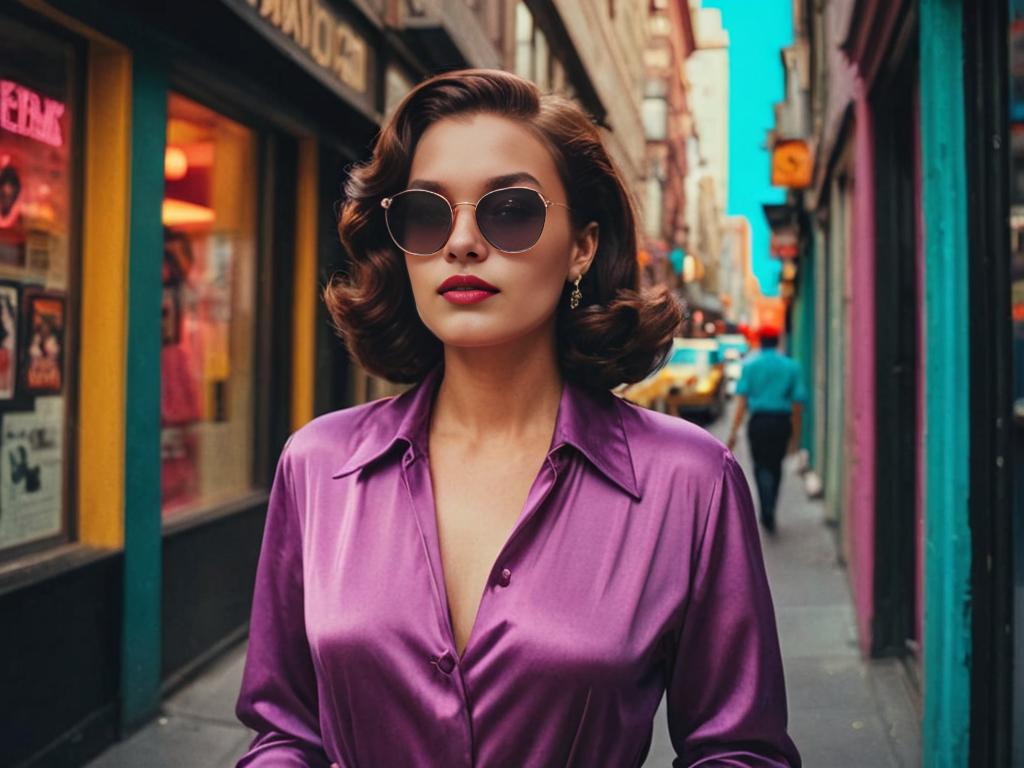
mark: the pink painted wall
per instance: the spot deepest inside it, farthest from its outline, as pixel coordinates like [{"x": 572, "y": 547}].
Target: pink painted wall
[{"x": 860, "y": 501}]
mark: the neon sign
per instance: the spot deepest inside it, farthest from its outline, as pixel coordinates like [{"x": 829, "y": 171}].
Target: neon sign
[{"x": 26, "y": 113}]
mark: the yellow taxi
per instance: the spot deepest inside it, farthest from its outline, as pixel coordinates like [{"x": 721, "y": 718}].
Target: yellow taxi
[{"x": 691, "y": 381}]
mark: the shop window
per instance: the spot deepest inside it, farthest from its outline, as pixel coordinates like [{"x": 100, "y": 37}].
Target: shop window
[
  {"x": 396, "y": 86},
  {"x": 208, "y": 329},
  {"x": 37, "y": 234},
  {"x": 654, "y": 114},
  {"x": 541, "y": 61},
  {"x": 558, "y": 78},
  {"x": 524, "y": 41}
]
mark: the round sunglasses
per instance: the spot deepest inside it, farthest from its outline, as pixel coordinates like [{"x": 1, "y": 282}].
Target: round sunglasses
[{"x": 511, "y": 219}]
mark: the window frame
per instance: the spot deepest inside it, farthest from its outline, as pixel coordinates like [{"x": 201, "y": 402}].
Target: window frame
[
  {"x": 18, "y": 555},
  {"x": 273, "y": 237}
]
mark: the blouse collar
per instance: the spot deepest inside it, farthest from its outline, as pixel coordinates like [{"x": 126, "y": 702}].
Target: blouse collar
[{"x": 588, "y": 421}]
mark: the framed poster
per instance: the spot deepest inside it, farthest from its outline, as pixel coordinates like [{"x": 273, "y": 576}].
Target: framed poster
[
  {"x": 43, "y": 357},
  {"x": 32, "y": 473},
  {"x": 9, "y": 321}
]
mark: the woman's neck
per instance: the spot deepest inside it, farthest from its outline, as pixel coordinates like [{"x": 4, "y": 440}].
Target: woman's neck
[{"x": 506, "y": 393}]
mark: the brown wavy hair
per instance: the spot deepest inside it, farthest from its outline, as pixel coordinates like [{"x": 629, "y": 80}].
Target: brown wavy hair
[{"x": 619, "y": 334}]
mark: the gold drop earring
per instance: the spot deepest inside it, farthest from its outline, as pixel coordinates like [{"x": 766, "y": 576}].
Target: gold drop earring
[{"x": 575, "y": 297}]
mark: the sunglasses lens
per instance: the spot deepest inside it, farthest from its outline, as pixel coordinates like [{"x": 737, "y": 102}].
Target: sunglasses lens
[
  {"x": 511, "y": 219},
  {"x": 419, "y": 221}
]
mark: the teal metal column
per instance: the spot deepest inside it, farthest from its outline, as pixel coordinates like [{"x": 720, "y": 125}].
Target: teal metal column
[
  {"x": 805, "y": 342},
  {"x": 947, "y": 630},
  {"x": 140, "y": 655}
]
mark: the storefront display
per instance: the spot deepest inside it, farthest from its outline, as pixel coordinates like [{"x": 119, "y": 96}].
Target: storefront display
[
  {"x": 37, "y": 142},
  {"x": 207, "y": 309},
  {"x": 153, "y": 154}
]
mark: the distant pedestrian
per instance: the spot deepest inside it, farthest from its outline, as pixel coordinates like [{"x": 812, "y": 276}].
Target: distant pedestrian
[{"x": 771, "y": 388}]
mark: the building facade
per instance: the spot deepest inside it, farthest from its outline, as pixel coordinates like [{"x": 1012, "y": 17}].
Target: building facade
[
  {"x": 667, "y": 123},
  {"x": 707, "y": 74},
  {"x": 907, "y": 273},
  {"x": 144, "y": 400},
  {"x": 740, "y": 290}
]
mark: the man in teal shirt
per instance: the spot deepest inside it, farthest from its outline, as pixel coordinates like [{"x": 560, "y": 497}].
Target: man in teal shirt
[{"x": 771, "y": 388}]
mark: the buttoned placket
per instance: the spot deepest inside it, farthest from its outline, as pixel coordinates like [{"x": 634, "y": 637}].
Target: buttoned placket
[{"x": 416, "y": 477}]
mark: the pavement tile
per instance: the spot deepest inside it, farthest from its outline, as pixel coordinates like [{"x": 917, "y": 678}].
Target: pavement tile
[
  {"x": 839, "y": 739},
  {"x": 661, "y": 753},
  {"x": 234, "y": 754},
  {"x": 174, "y": 742},
  {"x": 818, "y": 630},
  {"x": 213, "y": 694},
  {"x": 828, "y": 682}
]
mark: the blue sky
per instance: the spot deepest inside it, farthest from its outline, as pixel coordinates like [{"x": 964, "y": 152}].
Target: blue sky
[{"x": 757, "y": 31}]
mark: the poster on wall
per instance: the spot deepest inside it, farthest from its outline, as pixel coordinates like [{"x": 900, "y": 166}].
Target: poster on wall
[
  {"x": 31, "y": 473},
  {"x": 12, "y": 203},
  {"x": 43, "y": 363},
  {"x": 8, "y": 340}
]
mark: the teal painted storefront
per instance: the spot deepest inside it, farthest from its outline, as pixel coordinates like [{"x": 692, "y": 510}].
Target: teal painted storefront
[
  {"x": 947, "y": 546},
  {"x": 802, "y": 335},
  {"x": 822, "y": 336},
  {"x": 140, "y": 666}
]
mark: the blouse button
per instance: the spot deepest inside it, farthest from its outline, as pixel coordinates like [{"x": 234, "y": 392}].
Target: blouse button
[
  {"x": 446, "y": 663},
  {"x": 505, "y": 577}
]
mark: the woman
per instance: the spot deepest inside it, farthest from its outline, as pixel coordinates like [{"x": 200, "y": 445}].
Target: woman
[{"x": 506, "y": 565}]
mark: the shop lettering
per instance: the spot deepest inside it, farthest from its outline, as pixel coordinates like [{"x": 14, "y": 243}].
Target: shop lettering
[
  {"x": 26, "y": 113},
  {"x": 331, "y": 43}
]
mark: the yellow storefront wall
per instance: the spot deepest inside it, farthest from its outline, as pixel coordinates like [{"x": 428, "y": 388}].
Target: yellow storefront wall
[
  {"x": 104, "y": 285},
  {"x": 306, "y": 294}
]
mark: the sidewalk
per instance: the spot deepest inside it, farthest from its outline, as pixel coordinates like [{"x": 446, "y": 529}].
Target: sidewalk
[
  {"x": 844, "y": 712},
  {"x": 196, "y": 728}
]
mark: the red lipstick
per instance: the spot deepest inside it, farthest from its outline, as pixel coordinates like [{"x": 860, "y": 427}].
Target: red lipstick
[{"x": 466, "y": 289}]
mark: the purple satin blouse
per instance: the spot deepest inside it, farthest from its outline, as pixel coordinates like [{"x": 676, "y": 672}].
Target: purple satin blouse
[{"x": 635, "y": 567}]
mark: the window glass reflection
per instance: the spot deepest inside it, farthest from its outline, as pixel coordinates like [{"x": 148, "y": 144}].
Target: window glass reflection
[
  {"x": 37, "y": 179},
  {"x": 206, "y": 405}
]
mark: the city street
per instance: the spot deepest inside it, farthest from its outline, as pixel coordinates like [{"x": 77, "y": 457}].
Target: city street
[
  {"x": 221, "y": 221},
  {"x": 844, "y": 712}
]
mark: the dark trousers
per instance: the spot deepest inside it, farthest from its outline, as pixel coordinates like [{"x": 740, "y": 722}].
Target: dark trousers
[{"x": 769, "y": 434}]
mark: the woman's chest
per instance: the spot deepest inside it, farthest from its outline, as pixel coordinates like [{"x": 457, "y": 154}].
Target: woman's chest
[
  {"x": 477, "y": 502},
  {"x": 581, "y": 582}
]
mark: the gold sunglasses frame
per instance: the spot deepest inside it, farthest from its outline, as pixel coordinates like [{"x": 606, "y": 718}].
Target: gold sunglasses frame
[{"x": 385, "y": 203}]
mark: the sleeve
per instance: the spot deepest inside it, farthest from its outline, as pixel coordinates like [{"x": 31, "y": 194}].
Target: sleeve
[
  {"x": 278, "y": 698},
  {"x": 726, "y": 690},
  {"x": 743, "y": 385}
]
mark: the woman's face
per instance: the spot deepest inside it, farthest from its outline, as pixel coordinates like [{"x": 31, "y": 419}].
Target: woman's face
[{"x": 462, "y": 159}]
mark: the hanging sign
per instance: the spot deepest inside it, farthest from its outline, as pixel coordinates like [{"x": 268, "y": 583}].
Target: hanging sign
[
  {"x": 785, "y": 244},
  {"x": 318, "y": 38},
  {"x": 792, "y": 164}
]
